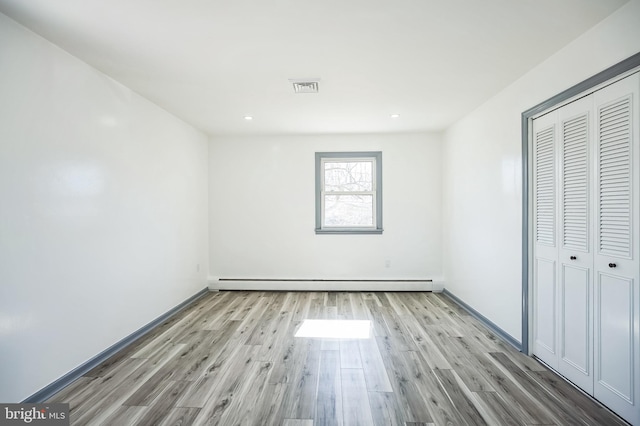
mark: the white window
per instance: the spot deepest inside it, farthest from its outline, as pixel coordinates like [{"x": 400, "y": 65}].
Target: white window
[{"x": 349, "y": 192}]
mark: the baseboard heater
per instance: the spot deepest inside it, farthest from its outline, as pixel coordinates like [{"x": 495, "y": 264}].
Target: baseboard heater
[{"x": 320, "y": 284}]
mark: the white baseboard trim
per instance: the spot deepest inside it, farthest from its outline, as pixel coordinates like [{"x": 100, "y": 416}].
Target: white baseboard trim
[{"x": 320, "y": 285}]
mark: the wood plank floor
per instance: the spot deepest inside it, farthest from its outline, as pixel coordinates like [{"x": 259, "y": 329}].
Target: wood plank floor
[{"x": 231, "y": 358}]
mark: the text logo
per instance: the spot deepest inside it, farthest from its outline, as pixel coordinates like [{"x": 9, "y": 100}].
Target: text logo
[{"x": 34, "y": 414}]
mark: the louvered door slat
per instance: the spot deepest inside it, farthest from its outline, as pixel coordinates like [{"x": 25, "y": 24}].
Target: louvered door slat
[
  {"x": 545, "y": 187},
  {"x": 575, "y": 221},
  {"x": 614, "y": 143},
  {"x": 614, "y": 204},
  {"x": 614, "y": 112}
]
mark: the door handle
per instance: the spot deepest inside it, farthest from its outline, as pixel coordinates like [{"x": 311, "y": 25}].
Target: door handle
[
  {"x": 612, "y": 265},
  {"x": 573, "y": 258}
]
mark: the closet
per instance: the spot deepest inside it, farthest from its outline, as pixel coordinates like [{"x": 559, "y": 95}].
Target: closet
[{"x": 585, "y": 198}]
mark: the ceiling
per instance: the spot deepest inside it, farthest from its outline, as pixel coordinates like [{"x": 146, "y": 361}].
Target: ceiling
[{"x": 213, "y": 62}]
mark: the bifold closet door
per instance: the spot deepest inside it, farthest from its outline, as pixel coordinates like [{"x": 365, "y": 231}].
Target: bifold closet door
[
  {"x": 545, "y": 294},
  {"x": 617, "y": 269},
  {"x": 575, "y": 257},
  {"x": 563, "y": 270},
  {"x": 586, "y": 232}
]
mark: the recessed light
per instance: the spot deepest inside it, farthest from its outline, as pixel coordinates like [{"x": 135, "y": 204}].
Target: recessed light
[
  {"x": 248, "y": 117},
  {"x": 395, "y": 115}
]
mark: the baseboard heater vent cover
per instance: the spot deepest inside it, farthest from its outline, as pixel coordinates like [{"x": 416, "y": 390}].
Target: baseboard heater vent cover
[{"x": 288, "y": 284}]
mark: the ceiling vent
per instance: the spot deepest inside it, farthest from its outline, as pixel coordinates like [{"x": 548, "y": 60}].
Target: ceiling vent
[{"x": 306, "y": 85}]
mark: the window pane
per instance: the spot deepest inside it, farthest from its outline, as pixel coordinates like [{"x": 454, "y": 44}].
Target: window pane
[
  {"x": 348, "y": 210},
  {"x": 348, "y": 176}
]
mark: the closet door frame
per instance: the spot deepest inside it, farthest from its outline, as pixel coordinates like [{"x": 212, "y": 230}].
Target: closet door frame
[
  {"x": 597, "y": 296},
  {"x": 606, "y": 77}
]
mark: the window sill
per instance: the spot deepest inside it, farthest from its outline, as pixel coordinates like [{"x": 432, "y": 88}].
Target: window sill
[{"x": 351, "y": 231}]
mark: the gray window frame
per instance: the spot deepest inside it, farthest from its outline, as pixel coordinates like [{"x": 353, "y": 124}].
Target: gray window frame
[{"x": 377, "y": 155}]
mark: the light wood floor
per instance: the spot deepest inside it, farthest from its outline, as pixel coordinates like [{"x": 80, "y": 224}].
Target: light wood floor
[{"x": 232, "y": 358}]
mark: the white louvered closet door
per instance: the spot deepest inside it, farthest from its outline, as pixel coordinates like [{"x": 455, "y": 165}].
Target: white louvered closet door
[
  {"x": 545, "y": 165},
  {"x": 575, "y": 260},
  {"x": 586, "y": 231},
  {"x": 617, "y": 269}
]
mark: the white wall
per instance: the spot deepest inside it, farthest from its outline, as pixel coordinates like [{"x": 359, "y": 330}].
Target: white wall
[
  {"x": 262, "y": 224},
  {"x": 482, "y": 171},
  {"x": 103, "y": 200}
]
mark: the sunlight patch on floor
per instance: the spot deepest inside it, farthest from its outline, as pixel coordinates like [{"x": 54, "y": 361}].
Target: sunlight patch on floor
[{"x": 335, "y": 329}]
